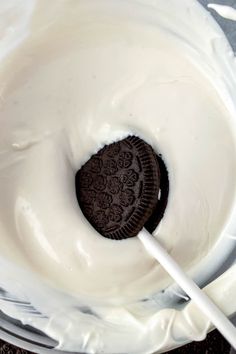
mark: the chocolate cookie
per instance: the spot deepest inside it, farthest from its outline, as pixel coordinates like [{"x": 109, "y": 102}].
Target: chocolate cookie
[
  {"x": 118, "y": 189},
  {"x": 161, "y": 204}
]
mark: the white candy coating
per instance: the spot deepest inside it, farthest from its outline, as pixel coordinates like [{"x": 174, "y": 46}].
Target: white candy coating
[{"x": 87, "y": 73}]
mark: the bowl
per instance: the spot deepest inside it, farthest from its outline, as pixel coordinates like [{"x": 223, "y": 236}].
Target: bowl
[{"x": 27, "y": 337}]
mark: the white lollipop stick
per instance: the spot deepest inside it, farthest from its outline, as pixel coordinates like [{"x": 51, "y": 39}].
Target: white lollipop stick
[{"x": 205, "y": 304}]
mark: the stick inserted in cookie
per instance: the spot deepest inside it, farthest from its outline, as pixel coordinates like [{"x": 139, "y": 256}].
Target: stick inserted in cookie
[
  {"x": 122, "y": 188},
  {"x": 123, "y": 191}
]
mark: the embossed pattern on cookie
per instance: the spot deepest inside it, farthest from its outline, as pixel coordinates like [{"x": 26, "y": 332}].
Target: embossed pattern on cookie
[{"x": 118, "y": 188}]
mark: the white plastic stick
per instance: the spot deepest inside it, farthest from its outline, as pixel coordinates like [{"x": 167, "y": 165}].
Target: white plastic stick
[{"x": 205, "y": 304}]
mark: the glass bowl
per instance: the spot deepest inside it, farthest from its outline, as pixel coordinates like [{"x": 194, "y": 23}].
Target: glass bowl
[{"x": 27, "y": 337}]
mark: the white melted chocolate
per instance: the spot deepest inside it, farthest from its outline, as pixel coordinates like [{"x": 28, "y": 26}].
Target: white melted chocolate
[
  {"x": 227, "y": 12},
  {"x": 88, "y": 73}
]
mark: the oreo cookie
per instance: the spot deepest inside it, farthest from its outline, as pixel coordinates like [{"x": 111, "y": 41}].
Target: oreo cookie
[
  {"x": 161, "y": 204},
  {"x": 118, "y": 189}
]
